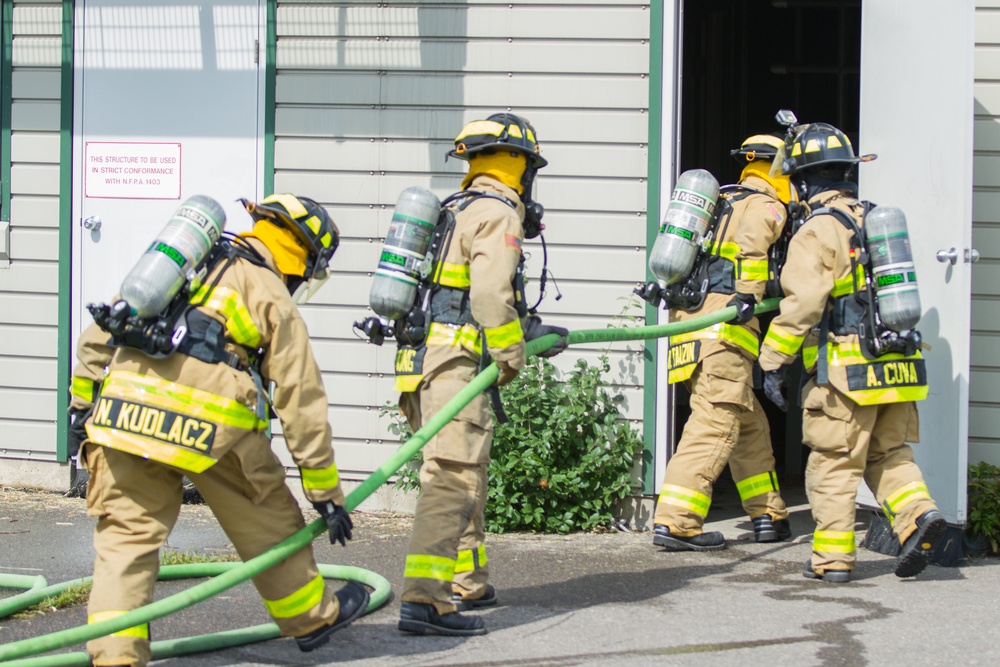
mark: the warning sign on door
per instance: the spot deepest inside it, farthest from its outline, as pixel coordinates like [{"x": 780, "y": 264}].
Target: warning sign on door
[{"x": 128, "y": 170}]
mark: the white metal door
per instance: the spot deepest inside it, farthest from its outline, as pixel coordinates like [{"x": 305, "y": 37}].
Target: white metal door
[
  {"x": 168, "y": 104},
  {"x": 916, "y": 114}
]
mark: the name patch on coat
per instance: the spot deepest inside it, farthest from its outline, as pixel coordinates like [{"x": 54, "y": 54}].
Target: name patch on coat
[
  {"x": 887, "y": 374},
  {"x": 683, "y": 354},
  {"x": 163, "y": 425}
]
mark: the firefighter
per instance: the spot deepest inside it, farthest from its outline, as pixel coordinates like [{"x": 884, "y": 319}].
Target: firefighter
[
  {"x": 854, "y": 431},
  {"x": 727, "y": 422},
  {"x": 201, "y": 412},
  {"x": 474, "y": 310}
]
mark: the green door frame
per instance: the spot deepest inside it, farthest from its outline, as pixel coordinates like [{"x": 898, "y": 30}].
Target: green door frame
[
  {"x": 655, "y": 145},
  {"x": 65, "y": 302}
]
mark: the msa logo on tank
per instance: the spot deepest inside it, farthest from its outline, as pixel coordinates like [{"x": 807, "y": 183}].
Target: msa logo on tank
[
  {"x": 683, "y": 354},
  {"x": 887, "y": 374},
  {"x": 163, "y": 425}
]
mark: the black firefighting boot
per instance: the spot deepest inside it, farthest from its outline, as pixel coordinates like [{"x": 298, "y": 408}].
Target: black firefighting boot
[
  {"x": 766, "y": 529},
  {"x": 420, "y": 619},
  {"x": 487, "y": 599},
  {"x": 831, "y": 576},
  {"x": 353, "y": 599},
  {"x": 917, "y": 549},
  {"x": 711, "y": 541}
]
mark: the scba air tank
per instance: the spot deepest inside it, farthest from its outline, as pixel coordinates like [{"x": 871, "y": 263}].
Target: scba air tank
[
  {"x": 394, "y": 289},
  {"x": 684, "y": 225},
  {"x": 174, "y": 256},
  {"x": 893, "y": 272}
]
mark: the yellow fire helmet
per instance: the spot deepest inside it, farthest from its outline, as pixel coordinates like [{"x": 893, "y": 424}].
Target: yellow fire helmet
[{"x": 314, "y": 237}]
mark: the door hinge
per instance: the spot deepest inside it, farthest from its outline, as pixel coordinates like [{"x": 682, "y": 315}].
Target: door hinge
[{"x": 256, "y": 52}]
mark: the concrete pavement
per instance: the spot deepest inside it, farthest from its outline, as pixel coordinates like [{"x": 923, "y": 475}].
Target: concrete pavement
[{"x": 584, "y": 599}]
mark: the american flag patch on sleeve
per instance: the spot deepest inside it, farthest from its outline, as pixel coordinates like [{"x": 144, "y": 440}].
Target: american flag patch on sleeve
[{"x": 511, "y": 241}]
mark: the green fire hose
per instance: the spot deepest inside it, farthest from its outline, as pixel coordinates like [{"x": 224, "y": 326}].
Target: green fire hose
[{"x": 226, "y": 575}]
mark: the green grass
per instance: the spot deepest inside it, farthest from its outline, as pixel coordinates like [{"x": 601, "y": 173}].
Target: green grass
[
  {"x": 71, "y": 597},
  {"x": 171, "y": 557}
]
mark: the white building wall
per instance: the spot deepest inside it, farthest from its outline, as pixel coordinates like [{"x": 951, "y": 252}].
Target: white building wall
[
  {"x": 369, "y": 99},
  {"x": 984, "y": 389},
  {"x": 29, "y": 391}
]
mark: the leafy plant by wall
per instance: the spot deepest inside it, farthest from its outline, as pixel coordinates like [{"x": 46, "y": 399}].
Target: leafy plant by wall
[
  {"x": 984, "y": 505},
  {"x": 563, "y": 458}
]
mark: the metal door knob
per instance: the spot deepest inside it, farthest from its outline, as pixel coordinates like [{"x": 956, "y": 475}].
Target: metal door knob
[
  {"x": 950, "y": 256},
  {"x": 93, "y": 223},
  {"x": 971, "y": 255}
]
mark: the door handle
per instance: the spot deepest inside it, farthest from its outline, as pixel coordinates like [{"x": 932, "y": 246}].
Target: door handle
[
  {"x": 971, "y": 255},
  {"x": 93, "y": 223},
  {"x": 950, "y": 256}
]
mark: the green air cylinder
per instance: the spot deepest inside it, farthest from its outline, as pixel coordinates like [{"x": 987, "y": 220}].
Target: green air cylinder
[
  {"x": 394, "y": 289},
  {"x": 174, "y": 256},
  {"x": 893, "y": 272},
  {"x": 684, "y": 225}
]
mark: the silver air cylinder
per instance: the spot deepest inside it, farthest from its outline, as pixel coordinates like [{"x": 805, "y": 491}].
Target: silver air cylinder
[
  {"x": 394, "y": 289},
  {"x": 893, "y": 272},
  {"x": 174, "y": 256},
  {"x": 684, "y": 225}
]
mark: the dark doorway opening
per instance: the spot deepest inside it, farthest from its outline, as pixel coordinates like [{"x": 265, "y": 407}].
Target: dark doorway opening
[{"x": 742, "y": 61}]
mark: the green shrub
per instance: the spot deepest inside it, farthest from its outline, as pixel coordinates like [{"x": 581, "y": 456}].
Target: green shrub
[
  {"x": 984, "y": 504},
  {"x": 563, "y": 458}
]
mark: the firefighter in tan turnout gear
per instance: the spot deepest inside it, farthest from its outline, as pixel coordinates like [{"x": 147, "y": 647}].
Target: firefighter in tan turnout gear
[
  {"x": 201, "y": 412},
  {"x": 858, "y": 406},
  {"x": 727, "y": 423},
  {"x": 473, "y": 305}
]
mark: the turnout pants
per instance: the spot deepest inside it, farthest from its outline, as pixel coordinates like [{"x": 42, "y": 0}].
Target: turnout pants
[
  {"x": 850, "y": 442},
  {"x": 727, "y": 425},
  {"x": 447, "y": 553},
  {"x": 136, "y": 502}
]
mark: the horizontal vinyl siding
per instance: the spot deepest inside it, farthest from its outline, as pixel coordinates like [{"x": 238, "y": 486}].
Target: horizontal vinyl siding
[
  {"x": 368, "y": 101},
  {"x": 984, "y": 387},
  {"x": 29, "y": 287}
]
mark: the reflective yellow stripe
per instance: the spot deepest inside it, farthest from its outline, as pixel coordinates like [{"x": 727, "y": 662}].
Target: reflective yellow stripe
[
  {"x": 408, "y": 383},
  {"x": 82, "y": 388},
  {"x": 453, "y": 275},
  {"x": 834, "y": 541},
  {"x": 149, "y": 448},
  {"x": 735, "y": 334},
  {"x": 229, "y": 303},
  {"x": 809, "y": 355},
  {"x": 466, "y": 336},
  {"x": 751, "y": 269},
  {"x": 845, "y": 285},
  {"x": 680, "y": 374},
  {"x": 180, "y": 398},
  {"x": 469, "y": 560},
  {"x": 726, "y": 250},
  {"x": 320, "y": 478},
  {"x": 783, "y": 340},
  {"x": 298, "y": 602},
  {"x": 504, "y": 335},
  {"x": 425, "y": 566},
  {"x": 689, "y": 499},
  {"x": 139, "y": 631},
  {"x": 903, "y": 496},
  {"x": 756, "y": 485}
]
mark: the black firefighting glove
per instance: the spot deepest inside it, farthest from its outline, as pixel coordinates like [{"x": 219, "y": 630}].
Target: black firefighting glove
[
  {"x": 77, "y": 433},
  {"x": 745, "y": 303},
  {"x": 533, "y": 328},
  {"x": 774, "y": 387},
  {"x": 338, "y": 521}
]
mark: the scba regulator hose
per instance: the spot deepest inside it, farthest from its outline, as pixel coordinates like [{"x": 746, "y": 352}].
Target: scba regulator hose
[{"x": 226, "y": 575}]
